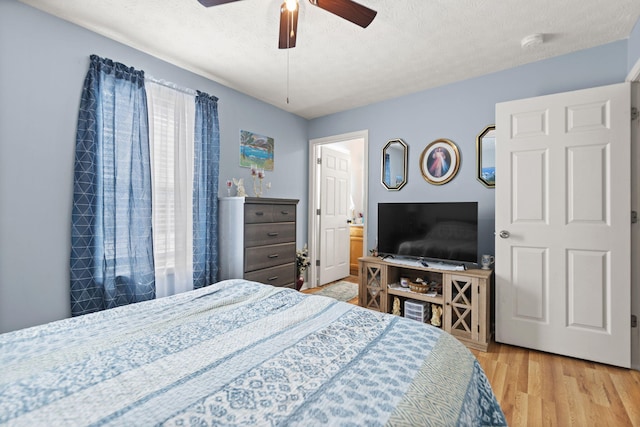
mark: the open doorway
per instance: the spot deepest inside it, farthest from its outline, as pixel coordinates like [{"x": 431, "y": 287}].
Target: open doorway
[{"x": 355, "y": 144}]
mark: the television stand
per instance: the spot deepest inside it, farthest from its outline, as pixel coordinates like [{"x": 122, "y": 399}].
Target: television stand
[{"x": 465, "y": 297}]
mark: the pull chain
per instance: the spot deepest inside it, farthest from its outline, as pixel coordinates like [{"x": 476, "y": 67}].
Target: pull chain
[
  {"x": 291, "y": 35},
  {"x": 292, "y": 8}
]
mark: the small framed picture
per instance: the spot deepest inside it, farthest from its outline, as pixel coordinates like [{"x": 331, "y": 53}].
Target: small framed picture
[
  {"x": 440, "y": 161},
  {"x": 256, "y": 151}
]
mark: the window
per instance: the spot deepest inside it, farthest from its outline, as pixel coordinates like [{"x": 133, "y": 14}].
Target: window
[{"x": 171, "y": 128}]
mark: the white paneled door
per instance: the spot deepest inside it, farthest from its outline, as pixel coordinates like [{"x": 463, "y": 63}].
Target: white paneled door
[
  {"x": 334, "y": 212},
  {"x": 563, "y": 224}
]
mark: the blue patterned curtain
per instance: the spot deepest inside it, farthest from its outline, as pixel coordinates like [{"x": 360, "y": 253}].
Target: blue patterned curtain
[
  {"x": 205, "y": 190},
  {"x": 111, "y": 239}
]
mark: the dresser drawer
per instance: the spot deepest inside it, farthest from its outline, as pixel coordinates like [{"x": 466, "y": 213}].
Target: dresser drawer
[
  {"x": 284, "y": 213},
  {"x": 282, "y": 275},
  {"x": 258, "y": 213},
  {"x": 269, "y": 233},
  {"x": 268, "y": 256},
  {"x": 355, "y": 231}
]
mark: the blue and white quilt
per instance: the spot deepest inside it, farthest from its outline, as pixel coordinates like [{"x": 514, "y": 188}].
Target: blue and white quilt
[{"x": 240, "y": 353}]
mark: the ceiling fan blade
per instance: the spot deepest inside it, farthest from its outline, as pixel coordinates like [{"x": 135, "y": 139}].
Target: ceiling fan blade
[
  {"x": 288, "y": 27},
  {"x": 209, "y": 3},
  {"x": 349, "y": 10}
]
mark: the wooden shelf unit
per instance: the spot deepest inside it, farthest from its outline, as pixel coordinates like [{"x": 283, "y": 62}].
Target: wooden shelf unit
[{"x": 465, "y": 298}]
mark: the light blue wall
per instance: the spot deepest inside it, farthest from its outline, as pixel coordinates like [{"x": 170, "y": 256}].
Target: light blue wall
[
  {"x": 43, "y": 62},
  {"x": 633, "y": 47},
  {"x": 459, "y": 112}
]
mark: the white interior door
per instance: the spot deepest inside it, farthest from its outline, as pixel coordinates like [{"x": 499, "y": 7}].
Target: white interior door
[
  {"x": 334, "y": 212},
  {"x": 563, "y": 224}
]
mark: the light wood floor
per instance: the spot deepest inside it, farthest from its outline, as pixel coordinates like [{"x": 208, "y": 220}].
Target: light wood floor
[{"x": 542, "y": 389}]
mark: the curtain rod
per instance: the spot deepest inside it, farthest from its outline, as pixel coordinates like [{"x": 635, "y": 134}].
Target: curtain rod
[{"x": 170, "y": 85}]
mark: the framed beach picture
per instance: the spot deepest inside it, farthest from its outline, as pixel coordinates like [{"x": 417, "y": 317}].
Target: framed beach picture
[
  {"x": 440, "y": 161},
  {"x": 256, "y": 150}
]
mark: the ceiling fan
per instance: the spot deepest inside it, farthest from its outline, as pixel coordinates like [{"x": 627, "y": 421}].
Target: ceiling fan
[{"x": 347, "y": 9}]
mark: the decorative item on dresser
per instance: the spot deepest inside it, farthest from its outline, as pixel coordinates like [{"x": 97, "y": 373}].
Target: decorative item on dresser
[{"x": 258, "y": 240}]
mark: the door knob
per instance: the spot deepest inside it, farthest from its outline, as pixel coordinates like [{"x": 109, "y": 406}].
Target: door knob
[{"x": 505, "y": 234}]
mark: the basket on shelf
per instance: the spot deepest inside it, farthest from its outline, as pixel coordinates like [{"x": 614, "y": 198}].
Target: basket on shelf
[{"x": 421, "y": 288}]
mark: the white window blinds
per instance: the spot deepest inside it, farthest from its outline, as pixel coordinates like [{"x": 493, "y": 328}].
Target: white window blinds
[{"x": 171, "y": 128}]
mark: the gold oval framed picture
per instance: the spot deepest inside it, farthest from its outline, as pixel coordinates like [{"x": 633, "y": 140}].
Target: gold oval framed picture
[{"x": 440, "y": 161}]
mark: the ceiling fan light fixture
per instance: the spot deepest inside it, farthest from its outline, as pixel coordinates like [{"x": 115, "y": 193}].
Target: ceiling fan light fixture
[{"x": 291, "y": 5}]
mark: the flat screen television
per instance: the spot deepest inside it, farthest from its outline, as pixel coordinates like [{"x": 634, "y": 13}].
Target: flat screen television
[{"x": 442, "y": 231}]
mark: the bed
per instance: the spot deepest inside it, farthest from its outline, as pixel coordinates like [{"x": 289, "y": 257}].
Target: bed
[{"x": 240, "y": 353}]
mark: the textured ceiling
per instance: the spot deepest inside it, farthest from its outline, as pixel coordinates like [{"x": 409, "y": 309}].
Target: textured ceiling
[{"x": 411, "y": 45}]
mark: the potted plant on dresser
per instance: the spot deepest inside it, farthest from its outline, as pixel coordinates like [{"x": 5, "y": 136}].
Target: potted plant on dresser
[{"x": 302, "y": 262}]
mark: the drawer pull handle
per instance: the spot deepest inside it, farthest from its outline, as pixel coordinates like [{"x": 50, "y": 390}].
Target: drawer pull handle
[
  {"x": 284, "y": 212},
  {"x": 272, "y": 234},
  {"x": 259, "y": 213},
  {"x": 271, "y": 279},
  {"x": 273, "y": 256}
]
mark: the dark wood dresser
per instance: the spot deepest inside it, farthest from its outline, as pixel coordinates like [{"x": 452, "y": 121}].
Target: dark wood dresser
[{"x": 258, "y": 239}]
